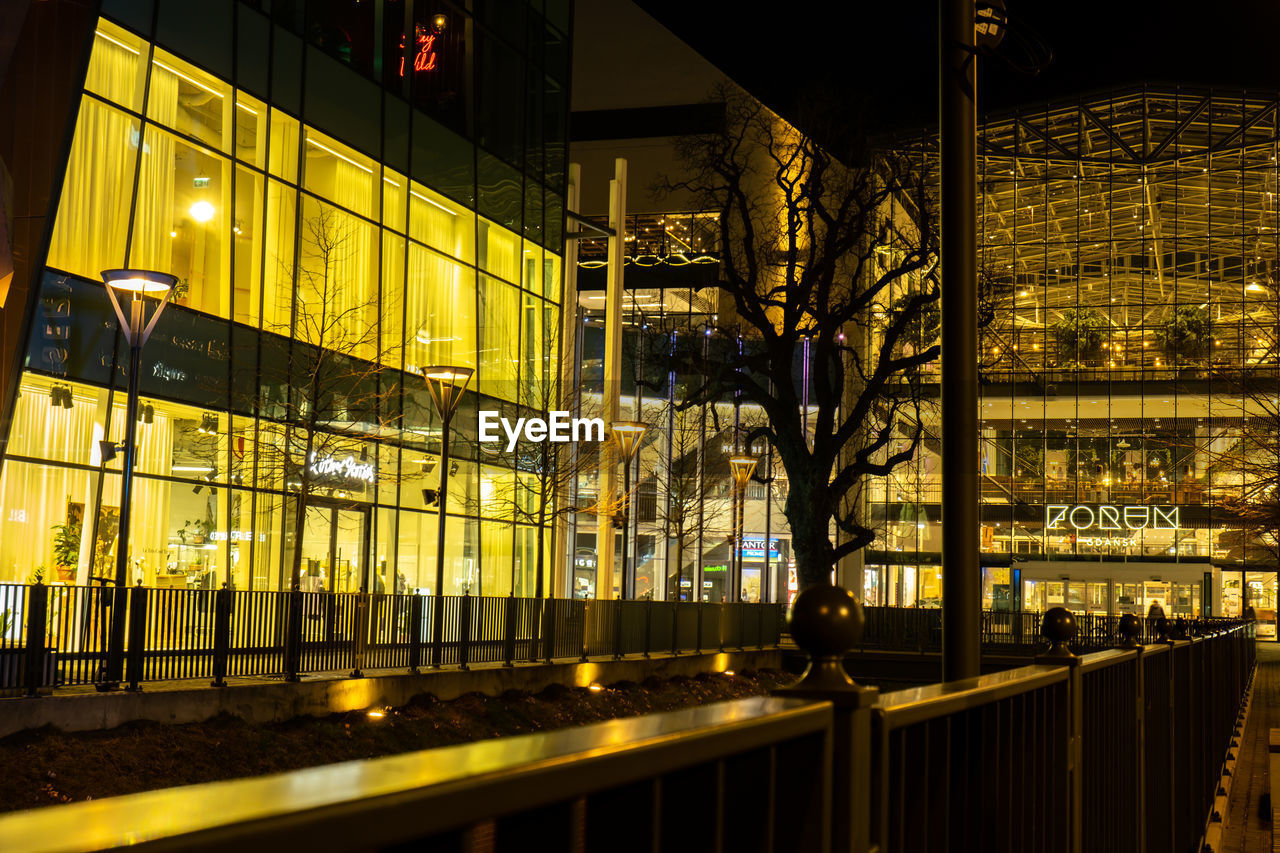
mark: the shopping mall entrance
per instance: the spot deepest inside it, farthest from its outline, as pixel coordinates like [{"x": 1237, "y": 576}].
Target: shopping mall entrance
[
  {"x": 335, "y": 542},
  {"x": 1117, "y": 588}
]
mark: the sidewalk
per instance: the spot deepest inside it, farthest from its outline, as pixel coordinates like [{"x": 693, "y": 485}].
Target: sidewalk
[{"x": 1248, "y": 819}]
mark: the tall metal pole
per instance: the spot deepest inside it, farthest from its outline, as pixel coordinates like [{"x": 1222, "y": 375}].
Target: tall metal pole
[
  {"x": 120, "y": 596},
  {"x": 628, "y": 582},
  {"x": 437, "y": 609},
  {"x": 961, "y": 579}
]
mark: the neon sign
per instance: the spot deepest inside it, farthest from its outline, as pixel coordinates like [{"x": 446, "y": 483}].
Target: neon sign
[
  {"x": 1110, "y": 517},
  {"x": 426, "y": 56},
  {"x": 348, "y": 468}
]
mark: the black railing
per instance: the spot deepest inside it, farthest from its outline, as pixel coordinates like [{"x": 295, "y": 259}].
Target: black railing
[
  {"x": 1118, "y": 750},
  {"x": 920, "y": 629},
  {"x": 215, "y": 634}
]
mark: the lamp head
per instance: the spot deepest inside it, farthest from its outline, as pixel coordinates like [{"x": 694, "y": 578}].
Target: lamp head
[
  {"x": 447, "y": 385},
  {"x": 140, "y": 282},
  {"x": 743, "y": 466},
  {"x": 628, "y": 434}
]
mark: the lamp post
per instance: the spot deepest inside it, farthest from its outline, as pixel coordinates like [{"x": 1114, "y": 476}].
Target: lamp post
[
  {"x": 446, "y": 385},
  {"x": 743, "y": 465},
  {"x": 627, "y": 434},
  {"x": 134, "y": 286}
]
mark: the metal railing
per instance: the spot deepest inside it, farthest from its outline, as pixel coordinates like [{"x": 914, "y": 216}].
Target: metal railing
[
  {"x": 920, "y": 629},
  {"x": 214, "y": 634},
  {"x": 750, "y": 774},
  {"x": 1118, "y": 750}
]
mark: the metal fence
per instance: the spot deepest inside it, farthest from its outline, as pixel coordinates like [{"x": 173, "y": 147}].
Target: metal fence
[
  {"x": 1119, "y": 750},
  {"x": 920, "y": 628},
  {"x": 180, "y": 633}
]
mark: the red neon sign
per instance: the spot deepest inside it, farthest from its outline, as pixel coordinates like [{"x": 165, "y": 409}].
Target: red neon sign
[{"x": 426, "y": 56}]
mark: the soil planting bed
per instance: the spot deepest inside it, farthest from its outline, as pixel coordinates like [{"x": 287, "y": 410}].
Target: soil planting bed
[{"x": 46, "y": 767}]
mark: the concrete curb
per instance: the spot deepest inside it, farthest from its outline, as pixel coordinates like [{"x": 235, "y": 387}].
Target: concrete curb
[{"x": 1216, "y": 826}]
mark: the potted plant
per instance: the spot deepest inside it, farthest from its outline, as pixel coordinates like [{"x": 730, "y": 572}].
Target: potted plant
[
  {"x": 1188, "y": 335},
  {"x": 66, "y": 551},
  {"x": 1079, "y": 334}
]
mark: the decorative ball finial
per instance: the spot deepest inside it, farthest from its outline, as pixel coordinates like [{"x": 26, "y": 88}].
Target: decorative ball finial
[
  {"x": 826, "y": 622},
  {"x": 1059, "y": 628},
  {"x": 1130, "y": 628}
]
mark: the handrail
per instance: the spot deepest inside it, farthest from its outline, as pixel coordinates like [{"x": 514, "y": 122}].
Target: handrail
[
  {"x": 418, "y": 794},
  {"x": 1104, "y": 659},
  {"x": 905, "y": 707}
]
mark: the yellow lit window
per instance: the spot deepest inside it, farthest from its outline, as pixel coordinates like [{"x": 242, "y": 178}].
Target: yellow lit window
[
  {"x": 190, "y": 101},
  {"x": 442, "y": 224},
  {"x": 117, "y": 66},
  {"x": 93, "y": 214},
  {"x": 340, "y": 174}
]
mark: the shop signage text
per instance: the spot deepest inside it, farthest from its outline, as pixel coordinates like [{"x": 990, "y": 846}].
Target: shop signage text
[
  {"x": 559, "y": 427},
  {"x": 1110, "y": 517},
  {"x": 349, "y": 468}
]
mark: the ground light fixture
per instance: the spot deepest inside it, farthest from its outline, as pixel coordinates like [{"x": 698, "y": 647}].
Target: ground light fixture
[
  {"x": 144, "y": 292},
  {"x": 742, "y": 466},
  {"x": 446, "y": 385},
  {"x": 627, "y": 435}
]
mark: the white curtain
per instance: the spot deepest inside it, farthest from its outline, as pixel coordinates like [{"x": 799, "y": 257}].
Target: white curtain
[
  {"x": 441, "y": 327},
  {"x": 501, "y": 251},
  {"x": 93, "y": 214},
  {"x": 154, "y": 214},
  {"x": 34, "y": 497}
]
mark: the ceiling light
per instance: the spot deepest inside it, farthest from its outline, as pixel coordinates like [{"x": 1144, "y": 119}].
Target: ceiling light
[{"x": 201, "y": 211}]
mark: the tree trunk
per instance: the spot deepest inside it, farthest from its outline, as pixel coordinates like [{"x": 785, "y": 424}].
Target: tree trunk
[{"x": 810, "y": 535}]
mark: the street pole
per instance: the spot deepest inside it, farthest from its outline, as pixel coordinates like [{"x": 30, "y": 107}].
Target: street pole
[
  {"x": 961, "y": 579},
  {"x": 135, "y": 284},
  {"x": 628, "y": 585},
  {"x": 446, "y": 385}
]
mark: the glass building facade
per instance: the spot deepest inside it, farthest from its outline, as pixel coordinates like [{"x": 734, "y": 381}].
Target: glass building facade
[
  {"x": 347, "y": 193},
  {"x": 1128, "y": 250}
]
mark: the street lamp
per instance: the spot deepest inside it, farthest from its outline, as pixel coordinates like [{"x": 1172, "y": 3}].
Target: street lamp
[
  {"x": 446, "y": 385},
  {"x": 134, "y": 286},
  {"x": 742, "y": 465},
  {"x": 627, "y": 435}
]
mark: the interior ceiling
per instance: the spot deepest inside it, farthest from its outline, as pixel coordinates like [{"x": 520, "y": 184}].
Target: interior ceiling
[{"x": 1145, "y": 197}]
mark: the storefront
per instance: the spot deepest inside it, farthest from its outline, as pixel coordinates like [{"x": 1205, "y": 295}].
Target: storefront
[{"x": 319, "y": 271}]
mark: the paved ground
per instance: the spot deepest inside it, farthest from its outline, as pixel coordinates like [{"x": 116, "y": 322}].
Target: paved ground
[{"x": 1248, "y": 827}]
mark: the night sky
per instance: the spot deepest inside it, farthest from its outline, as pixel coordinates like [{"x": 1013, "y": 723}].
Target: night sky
[{"x": 884, "y": 54}]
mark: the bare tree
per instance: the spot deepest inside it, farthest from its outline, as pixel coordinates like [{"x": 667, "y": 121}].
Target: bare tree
[
  {"x": 546, "y": 472},
  {"x": 334, "y": 396},
  {"x": 812, "y": 249},
  {"x": 1252, "y": 457},
  {"x": 689, "y": 490}
]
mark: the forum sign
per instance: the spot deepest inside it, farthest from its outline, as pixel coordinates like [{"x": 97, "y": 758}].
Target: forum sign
[{"x": 1105, "y": 517}]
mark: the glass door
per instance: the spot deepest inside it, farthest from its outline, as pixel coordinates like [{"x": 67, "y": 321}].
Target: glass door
[{"x": 333, "y": 547}]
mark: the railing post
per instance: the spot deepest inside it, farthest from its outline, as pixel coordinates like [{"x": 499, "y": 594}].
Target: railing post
[
  {"x": 827, "y": 621},
  {"x": 360, "y": 635},
  {"x": 675, "y": 629},
  {"x": 221, "y": 635},
  {"x": 697, "y": 643},
  {"x": 509, "y": 630},
  {"x": 648, "y": 626},
  {"x": 37, "y": 611},
  {"x": 1059, "y": 628},
  {"x": 588, "y": 608},
  {"x": 293, "y": 635},
  {"x": 617, "y": 628},
  {"x": 137, "y": 636},
  {"x": 548, "y": 628},
  {"x": 464, "y": 631},
  {"x": 415, "y": 633}
]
